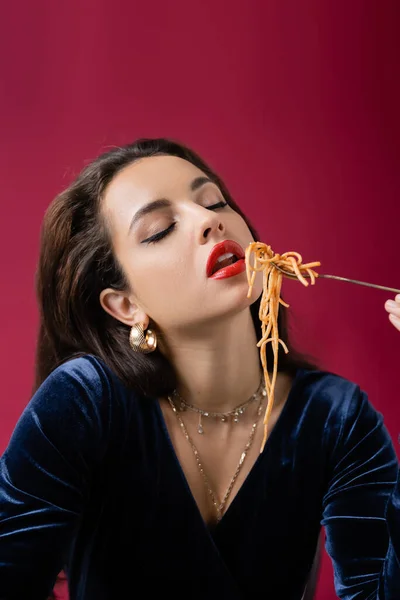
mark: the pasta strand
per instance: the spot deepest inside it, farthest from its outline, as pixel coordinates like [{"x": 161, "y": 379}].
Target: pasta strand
[{"x": 260, "y": 257}]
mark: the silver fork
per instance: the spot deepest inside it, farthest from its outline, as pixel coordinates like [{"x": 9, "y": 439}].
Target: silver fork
[{"x": 324, "y": 276}]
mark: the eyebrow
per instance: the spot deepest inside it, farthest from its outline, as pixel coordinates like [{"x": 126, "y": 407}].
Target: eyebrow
[
  {"x": 163, "y": 202},
  {"x": 199, "y": 182}
]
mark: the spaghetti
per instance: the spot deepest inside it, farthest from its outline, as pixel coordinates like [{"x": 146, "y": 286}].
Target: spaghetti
[{"x": 260, "y": 257}]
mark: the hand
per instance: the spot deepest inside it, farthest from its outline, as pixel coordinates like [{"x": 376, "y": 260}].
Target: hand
[{"x": 393, "y": 308}]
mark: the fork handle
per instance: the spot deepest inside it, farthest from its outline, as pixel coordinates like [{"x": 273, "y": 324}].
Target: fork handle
[{"x": 373, "y": 285}]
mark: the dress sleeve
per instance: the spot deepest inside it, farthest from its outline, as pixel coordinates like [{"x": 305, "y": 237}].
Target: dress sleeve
[
  {"x": 390, "y": 580},
  {"x": 363, "y": 476},
  {"x": 45, "y": 477}
]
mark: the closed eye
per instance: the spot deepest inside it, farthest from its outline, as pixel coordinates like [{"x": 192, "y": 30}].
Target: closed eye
[
  {"x": 221, "y": 204},
  {"x": 162, "y": 234},
  {"x": 158, "y": 236}
]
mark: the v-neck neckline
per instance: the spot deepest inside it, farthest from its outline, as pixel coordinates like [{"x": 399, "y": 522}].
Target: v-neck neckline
[{"x": 236, "y": 498}]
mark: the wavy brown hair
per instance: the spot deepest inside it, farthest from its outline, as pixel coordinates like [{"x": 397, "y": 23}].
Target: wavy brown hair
[{"x": 77, "y": 262}]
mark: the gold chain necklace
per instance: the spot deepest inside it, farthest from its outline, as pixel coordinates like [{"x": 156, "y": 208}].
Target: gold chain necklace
[
  {"x": 219, "y": 506},
  {"x": 235, "y": 413}
]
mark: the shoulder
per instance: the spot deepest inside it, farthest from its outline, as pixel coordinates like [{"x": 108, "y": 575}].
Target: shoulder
[
  {"x": 72, "y": 418},
  {"x": 343, "y": 411},
  {"x": 328, "y": 388},
  {"x": 339, "y": 402},
  {"x": 85, "y": 369},
  {"x": 80, "y": 405},
  {"x": 82, "y": 389},
  {"x": 85, "y": 375}
]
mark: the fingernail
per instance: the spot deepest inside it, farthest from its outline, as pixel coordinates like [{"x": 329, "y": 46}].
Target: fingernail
[
  {"x": 391, "y": 304},
  {"x": 397, "y": 298},
  {"x": 394, "y": 319}
]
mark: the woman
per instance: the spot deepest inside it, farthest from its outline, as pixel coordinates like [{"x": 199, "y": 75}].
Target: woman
[{"x": 137, "y": 462}]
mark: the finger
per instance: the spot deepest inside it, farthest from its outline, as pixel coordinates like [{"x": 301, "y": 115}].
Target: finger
[
  {"x": 395, "y": 321},
  {"x": 393, "y": 307}
]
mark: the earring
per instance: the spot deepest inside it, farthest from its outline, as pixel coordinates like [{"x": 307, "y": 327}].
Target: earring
[{"x": 141, "y": 341}]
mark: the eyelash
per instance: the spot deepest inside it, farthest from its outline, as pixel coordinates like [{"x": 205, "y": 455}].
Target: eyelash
[{"x": 162, "y": 234}]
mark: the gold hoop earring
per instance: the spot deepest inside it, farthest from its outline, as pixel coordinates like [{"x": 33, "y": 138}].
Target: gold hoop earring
[{"x": 141, "y": 341}]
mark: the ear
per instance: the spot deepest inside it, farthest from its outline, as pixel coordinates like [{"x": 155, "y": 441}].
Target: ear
[{"x": 121, "y": 306}]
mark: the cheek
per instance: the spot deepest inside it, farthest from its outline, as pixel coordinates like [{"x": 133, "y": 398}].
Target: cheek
[
  {"x": 157, "y": 277},
  {"x": 239, "y": 226}
]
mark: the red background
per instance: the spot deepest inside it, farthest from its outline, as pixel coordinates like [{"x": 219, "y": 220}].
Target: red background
[{"x": 295, "y": 103}]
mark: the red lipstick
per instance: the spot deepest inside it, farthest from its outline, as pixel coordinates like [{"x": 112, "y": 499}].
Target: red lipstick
[{"x": 220, "y": 266}]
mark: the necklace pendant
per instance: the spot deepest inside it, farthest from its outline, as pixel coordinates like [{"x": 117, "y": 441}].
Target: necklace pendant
[
  {"x": 236, "y": 418},
  {"x": 200, "y": 429},
  {"x": 224, "y": 419}
]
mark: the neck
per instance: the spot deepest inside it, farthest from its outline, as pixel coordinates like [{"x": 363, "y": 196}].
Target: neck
[{"x": 219, "y": 368}]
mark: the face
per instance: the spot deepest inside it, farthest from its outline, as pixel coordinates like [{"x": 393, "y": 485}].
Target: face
[{"x": 166, "y": 220}]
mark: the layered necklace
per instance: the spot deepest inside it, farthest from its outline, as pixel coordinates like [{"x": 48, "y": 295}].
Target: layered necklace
[
  {"x": 234, "y": 414},
  {"x": 178, "y": 405}
]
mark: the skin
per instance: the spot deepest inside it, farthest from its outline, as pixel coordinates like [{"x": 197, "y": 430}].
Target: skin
[
  {"x": 393, "y": 308},
  {"x": 204, "y": 325}
]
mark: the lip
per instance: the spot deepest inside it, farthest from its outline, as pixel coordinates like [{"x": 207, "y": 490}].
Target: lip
[{"x": 223, "y": 248}]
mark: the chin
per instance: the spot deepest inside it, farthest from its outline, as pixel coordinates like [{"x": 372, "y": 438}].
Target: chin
[{"x": 235, "y": 300}]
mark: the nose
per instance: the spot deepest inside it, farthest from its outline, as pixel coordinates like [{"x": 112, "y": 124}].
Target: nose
[{"x": 210, "y": 224}]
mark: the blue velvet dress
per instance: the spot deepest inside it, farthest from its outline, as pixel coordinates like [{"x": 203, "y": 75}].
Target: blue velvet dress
[{"x": 90, "y": 482}]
